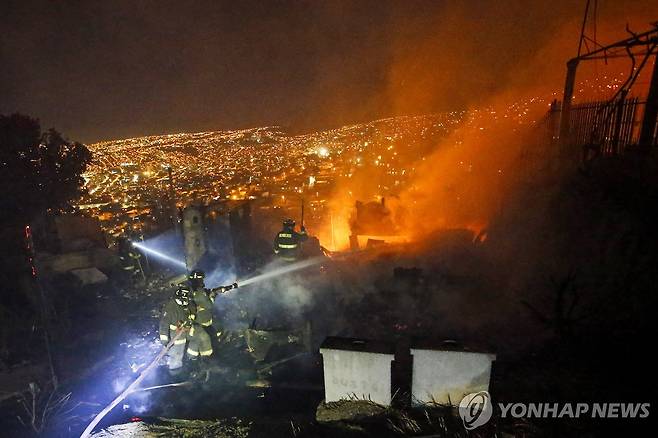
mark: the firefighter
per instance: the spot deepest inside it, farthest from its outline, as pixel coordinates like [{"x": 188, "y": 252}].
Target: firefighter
[
  {"x": 286, "y": 242},
  {"x": 129, "y": 259},
  {"x": 204, "y": 299},
  {"x": 201, "y": 297},
  {"x": 180, "y": 313}
]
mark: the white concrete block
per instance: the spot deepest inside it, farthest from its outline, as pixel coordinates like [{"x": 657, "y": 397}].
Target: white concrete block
[
  {"x": 357, "y": 368},
  {"x": 89, "y": 276},
  {"x": 445, "y": 377}
]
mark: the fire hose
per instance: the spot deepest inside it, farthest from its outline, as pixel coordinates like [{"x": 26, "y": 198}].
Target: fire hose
[{"x": 133, "y": 386}]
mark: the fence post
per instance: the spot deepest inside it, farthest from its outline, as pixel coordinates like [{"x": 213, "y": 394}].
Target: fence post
[
  {"x": 569, "y": 83},
  {"x": 619, "y": 108},
  {"x": 647, "y": 134}
]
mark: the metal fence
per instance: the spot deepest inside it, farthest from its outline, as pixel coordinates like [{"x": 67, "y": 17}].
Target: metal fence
[
  {"x": 596, "y": 128},
  {"x": 610, "y": 127}
]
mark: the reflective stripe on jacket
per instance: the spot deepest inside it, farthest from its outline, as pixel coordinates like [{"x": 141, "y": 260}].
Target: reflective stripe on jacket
[
  {"x": 204, "y": 306},
  {"x": 174, "y": 316},
  {"x": 286, "y": 243}
]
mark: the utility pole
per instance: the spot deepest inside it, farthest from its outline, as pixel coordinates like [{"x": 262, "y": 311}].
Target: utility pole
[
  {"x": 582, "y": 28},
  {"x": 572, "y": 67}
]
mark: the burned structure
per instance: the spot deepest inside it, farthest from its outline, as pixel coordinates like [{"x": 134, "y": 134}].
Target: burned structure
[{"x": 373, "y": 223}]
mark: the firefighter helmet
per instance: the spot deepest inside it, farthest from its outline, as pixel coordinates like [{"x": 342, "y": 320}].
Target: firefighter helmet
[
  {"x": 196, "y": 275},
  {"x": 289, "y": 223},
  {"x": 183, "y": 295}
]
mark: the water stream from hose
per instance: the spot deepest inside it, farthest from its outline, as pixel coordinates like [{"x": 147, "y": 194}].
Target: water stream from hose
[{"x": 281, "y": 270}]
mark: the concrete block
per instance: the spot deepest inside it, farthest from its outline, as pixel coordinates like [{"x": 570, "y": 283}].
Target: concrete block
[
  {"x": 357, "y": 368},
  {"x": 89, "y": 276},
  {"x": 446, "y": 376}
]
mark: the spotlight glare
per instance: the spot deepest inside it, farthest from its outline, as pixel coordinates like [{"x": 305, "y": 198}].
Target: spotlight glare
[{"x": 158, "y": 254}]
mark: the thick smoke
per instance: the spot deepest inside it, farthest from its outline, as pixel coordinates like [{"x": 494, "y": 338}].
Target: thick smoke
[
  {"x": 472, "y": 179},
  {"x": 504, "y": 74},
  {"x": 274, "y": 300},
  {"x": 463, "y": 56}
]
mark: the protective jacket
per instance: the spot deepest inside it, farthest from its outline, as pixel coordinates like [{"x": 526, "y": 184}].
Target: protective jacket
[
  {"x": 204, "y": 305},
  {"x": 286, "y": 243},
  {"x": 175, "y": 316}
]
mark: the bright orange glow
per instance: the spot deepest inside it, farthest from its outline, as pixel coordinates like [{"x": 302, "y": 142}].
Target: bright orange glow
[{"x": 463, "y": 181}]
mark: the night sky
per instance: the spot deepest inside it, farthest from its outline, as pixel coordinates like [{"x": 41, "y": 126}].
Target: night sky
[{"x": 113, "y": 69}]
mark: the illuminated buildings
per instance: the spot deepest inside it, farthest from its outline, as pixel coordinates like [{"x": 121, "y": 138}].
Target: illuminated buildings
[{"x": 128, "y": 185}]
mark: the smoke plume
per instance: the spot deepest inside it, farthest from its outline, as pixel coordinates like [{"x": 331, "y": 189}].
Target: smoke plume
[{"x": 502, "y": 75}]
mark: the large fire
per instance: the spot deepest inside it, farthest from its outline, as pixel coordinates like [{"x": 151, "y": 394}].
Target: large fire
[
  {"x": 461, "y": 183},
  {"x": 457, "y": 186}
]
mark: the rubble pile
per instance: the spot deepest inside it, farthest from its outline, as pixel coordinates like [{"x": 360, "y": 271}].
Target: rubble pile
[
  {"x": 363, "y": 418},
  {"x": 164, "y": 427},
  {"x": 346, "y": 410}
]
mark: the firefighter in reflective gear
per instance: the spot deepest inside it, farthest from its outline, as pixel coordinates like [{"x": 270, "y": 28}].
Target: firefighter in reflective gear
[
  {"x": 180, "y": 313},
  {"x": 201, "y": 297},
  {"x": 286, "y": 242},
  {"x": 204, "y": 299},
  {"x": 129, "y": 259}
]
